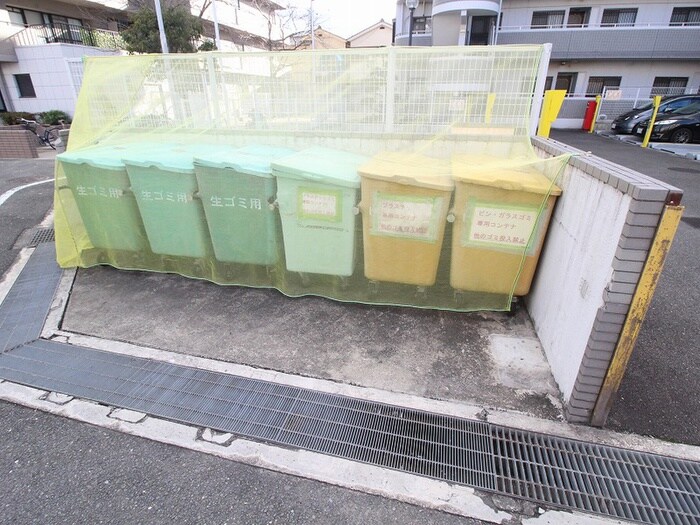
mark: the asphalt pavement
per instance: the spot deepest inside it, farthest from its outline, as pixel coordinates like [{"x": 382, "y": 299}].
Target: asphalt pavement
[
  {"x": 659, "y": 395},
  {"x": 54, "y": 470},
  {"x": 24, "y": 209}
]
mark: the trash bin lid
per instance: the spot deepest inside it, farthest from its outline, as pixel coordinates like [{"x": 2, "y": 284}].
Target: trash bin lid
[
  {"x": 324, "y": 165},
  {"x": 104, "y": 157},
  {"x": 251, "y": 160},
  {"x": 503, "y": 173},
  {"x": 171, "y": 157},
  {"x": 409, "y": 168}
]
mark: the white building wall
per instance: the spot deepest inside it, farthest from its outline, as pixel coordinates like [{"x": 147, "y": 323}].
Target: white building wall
[
  {"x": 50, "y": 76},
  {"x": 402, "y": 14},
  {"x": 634, "y": 74},
  {"x": 519, "y": 12}
]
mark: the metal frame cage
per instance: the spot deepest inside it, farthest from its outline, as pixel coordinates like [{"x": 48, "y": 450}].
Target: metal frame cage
[{"x": 384, "y": 176}]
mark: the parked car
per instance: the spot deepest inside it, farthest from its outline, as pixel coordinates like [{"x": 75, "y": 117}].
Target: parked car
[
  {"x": 625, "y": 123},
  {"x": 680, "y": 126}
]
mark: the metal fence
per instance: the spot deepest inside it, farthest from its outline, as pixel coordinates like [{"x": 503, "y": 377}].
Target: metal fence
[{"x": 616, "y": 101}]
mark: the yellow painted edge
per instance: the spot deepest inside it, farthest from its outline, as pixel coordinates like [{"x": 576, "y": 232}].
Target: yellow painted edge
[{"x": 641, "y": 300}]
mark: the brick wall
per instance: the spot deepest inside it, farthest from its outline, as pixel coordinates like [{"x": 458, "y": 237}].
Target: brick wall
[{"x": 17, "y": 143}]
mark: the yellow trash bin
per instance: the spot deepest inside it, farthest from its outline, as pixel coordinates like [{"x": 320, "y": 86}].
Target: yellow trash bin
[
  {"x": 497, "y": 220},
  {"x": 405, "y": 200}
]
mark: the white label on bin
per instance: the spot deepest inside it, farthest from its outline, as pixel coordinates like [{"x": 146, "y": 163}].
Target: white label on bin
[
  {"x": 416, "y": 218},
  {"x": 320, "y": 205},
  {"x": 499, "y": 227}
]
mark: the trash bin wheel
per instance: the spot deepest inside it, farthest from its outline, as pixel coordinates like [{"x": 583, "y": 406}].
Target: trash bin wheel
[
  {"x": 305, "y": 279},
  {"x": 421, "y": 293},
  {"x": 198, "y": 268},
  {"x": 373, "y": 288},
  {"x": 513, "y": 307}
]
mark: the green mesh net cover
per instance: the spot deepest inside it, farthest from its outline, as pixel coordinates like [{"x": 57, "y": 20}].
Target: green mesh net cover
[{"x": 390, "y": 176}]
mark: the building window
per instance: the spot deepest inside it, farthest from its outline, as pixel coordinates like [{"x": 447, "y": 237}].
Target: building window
[
  {"x": 547, "y": 19},
  {"x": 566, "y": 81},
  {"x": 16, "y": 17},
  {"x": 578, "y": 17},
  {"x": 669, "y": 85},
  {"x": 548, "y": 83},
  {"x": 618, "y": 17},
  {"x": 421, "y": 24},
  {"x": 25, "y": 86},
  {"x": 596, "y": 85},
  {"x": 685, "y": 16},
  {"x": 26, "y": 17}
]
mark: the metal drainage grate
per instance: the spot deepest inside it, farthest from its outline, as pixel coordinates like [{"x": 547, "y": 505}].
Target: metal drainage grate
[
  {"x": 27, "y": 304},
  {"x": 42, "y": 235},
  {"x": 555, "y": 471},
  {"x": 626, "y": 484}
]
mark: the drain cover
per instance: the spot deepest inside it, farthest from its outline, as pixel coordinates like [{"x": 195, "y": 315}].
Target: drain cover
[
  {"x": 684, "y": 170},
  {"x": 42, "y": 235}
]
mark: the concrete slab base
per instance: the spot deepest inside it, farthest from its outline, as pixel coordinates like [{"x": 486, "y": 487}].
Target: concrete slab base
[{"x": 489, "y": 359}]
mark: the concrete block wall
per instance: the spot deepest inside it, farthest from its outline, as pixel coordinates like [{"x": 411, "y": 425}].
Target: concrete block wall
[
  {"x": 599, "y": 240},
  {"x": 17, "y": 144}
]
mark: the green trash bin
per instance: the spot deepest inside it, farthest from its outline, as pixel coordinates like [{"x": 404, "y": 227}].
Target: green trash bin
[
  {"x": 98, "y": 180},
  {"x": 237, "y": 188},
  {"x": 165, "y": 187},
  {"x": 317, "y": 191}
]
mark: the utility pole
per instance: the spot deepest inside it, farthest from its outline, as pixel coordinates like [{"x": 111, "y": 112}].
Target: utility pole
[
  {"x": 217, "y": 36},
  {"x": 313, "y": 33},
  {"x": 161, "y": 27}
]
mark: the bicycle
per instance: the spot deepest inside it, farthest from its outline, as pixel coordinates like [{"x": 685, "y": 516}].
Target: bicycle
[{"x": 48, "y": 136}]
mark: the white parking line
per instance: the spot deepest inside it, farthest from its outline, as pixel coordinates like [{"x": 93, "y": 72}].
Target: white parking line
[{"x": 10, "y": 193}]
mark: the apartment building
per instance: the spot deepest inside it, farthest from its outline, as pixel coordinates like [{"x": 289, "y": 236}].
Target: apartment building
[
  {"x": 637, "y": 47},
  {"x": 42, "y": 42}
]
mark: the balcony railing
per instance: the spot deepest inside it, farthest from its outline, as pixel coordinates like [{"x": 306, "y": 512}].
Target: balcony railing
[
  {"x": 421, "y": 37},
  {"x": 605, "y": 42},
  {"x": 566, "y": 27},
  {"x": 67, "y": 34}
]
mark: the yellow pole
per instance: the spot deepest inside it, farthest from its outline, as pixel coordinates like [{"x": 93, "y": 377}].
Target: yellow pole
[
  {"x": 647, "y": 135},
  {"x": 553, "y": 99},
  {"x": 490, "y": 101},
  {"x": 598, "y": 100},
  {"x": 641, "y": 300}
]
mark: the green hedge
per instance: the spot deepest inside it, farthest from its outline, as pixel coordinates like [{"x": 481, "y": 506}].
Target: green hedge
[
  {"x": 53, "y": 116},
  {"x": 12, "y": 118}
]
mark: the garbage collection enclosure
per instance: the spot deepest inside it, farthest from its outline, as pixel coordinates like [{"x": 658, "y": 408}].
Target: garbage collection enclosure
[{"x": 398, "y": 176}]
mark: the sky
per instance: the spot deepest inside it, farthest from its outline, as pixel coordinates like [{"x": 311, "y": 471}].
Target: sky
[{"x": 347, "y": 17}]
